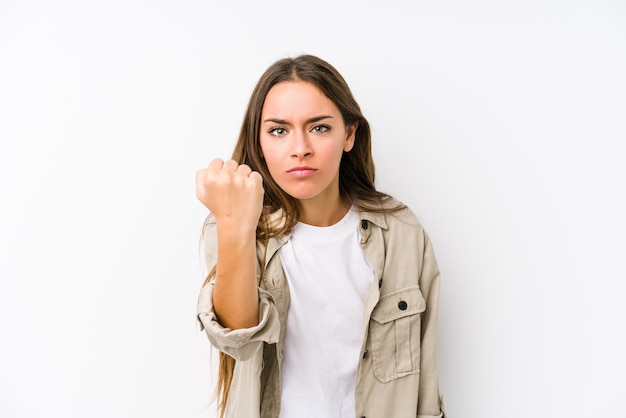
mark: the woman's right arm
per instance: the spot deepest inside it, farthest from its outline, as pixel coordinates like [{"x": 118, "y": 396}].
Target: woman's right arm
[{"x": 234, "y": 195}]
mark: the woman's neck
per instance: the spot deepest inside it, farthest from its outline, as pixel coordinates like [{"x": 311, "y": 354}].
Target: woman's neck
[{"x": 322, "y": 213}]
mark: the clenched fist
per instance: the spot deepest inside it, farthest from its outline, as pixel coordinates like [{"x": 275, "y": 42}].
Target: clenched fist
[{"x": 232, "y": 192}]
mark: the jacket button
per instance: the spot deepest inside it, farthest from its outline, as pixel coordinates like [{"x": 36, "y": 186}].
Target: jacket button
[
  {"x": 380, "y": 283},
  {"x": 402, "y": 305},
  {"x": 364, "y": 224},
  {"x": 365, "y": 353}
]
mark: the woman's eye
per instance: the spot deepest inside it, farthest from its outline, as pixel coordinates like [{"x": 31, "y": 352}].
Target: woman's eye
[
  {"x": 320, "y": 129},
  {"x": 278, "y": 131}
]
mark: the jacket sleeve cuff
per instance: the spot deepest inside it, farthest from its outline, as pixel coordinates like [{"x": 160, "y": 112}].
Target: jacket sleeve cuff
[
  {"x": 239, "y": 343},
  {"x": 442, "y": 406}
]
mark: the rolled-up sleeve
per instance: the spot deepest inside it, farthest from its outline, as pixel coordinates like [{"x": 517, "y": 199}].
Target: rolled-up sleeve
[{"x": 240, "y": 344}]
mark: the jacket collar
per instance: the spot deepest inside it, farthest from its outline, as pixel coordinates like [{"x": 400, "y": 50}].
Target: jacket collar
[
  {"x": 376, "y": 218},
  {"x": 274, "y": 244}
]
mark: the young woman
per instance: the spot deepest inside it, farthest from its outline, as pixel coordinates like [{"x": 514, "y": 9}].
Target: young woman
[{"x": 322, "y": 293}]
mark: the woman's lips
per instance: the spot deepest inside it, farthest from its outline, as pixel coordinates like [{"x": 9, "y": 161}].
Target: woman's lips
[{"x": 301, "y": 171}]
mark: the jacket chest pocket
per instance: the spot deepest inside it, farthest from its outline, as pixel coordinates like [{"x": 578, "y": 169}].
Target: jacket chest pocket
[{"x": 395, "y": 329}]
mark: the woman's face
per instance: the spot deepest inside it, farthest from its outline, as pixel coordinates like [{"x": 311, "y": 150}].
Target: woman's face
[{"x": 302, "y": 139}]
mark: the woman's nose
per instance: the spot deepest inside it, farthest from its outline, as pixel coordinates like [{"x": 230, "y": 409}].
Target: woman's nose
[{"x": 301, "y": 145}]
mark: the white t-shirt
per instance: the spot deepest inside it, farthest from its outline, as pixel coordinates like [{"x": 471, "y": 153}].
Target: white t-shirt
[{"x": 328, "y": 279}]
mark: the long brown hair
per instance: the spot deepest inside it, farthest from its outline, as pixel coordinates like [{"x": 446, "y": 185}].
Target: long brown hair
[{"x": 356, "y": 170}]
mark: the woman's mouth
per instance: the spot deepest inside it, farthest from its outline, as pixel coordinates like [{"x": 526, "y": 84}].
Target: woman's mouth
[{"x": 301, "y": 171}]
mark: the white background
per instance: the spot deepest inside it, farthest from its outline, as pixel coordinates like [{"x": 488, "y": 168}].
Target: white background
[{"x": 502, "y": 124}]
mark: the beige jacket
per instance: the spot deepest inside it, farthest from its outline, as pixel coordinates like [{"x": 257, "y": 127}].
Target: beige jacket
[{"x": 397, "y": 374}]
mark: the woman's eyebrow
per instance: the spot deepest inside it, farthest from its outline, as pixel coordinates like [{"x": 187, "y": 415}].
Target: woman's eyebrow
[
  {"x": 318, "y": 118},
  {"x": 311, "y": 120}
]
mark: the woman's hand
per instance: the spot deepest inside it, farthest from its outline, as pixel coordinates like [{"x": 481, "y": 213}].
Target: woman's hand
[{"x": 232, "y": 192}]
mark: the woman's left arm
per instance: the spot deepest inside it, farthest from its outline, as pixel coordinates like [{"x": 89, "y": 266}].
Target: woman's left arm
[{"x": 430, "y": 403}]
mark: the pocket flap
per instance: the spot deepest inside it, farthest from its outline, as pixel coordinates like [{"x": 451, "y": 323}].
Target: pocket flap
[{"x": 399, "y": 303}]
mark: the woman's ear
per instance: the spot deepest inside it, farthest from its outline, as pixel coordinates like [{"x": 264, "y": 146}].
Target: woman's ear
[{"x": 350, "y": 135}]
